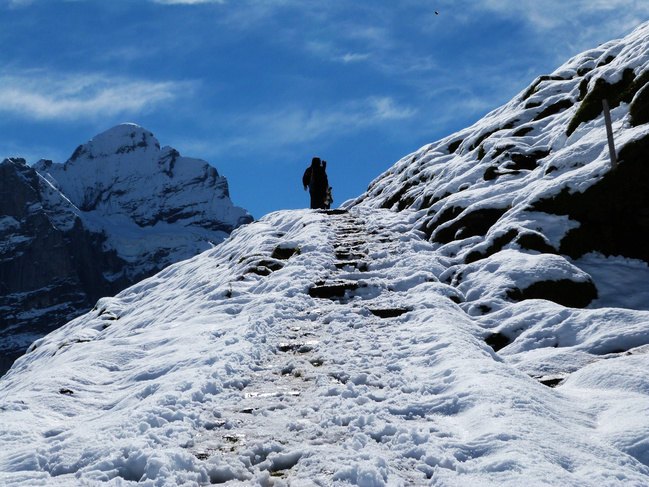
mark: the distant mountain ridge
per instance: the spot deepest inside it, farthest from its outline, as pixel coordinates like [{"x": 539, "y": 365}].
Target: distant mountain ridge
[{"x": 119, "y": 210}]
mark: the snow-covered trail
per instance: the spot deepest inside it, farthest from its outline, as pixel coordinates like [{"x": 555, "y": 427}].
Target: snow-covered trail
[{"x": 310, "y": 348}]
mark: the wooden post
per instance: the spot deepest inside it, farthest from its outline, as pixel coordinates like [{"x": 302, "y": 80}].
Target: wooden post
[{"x": 609, "y": 134}]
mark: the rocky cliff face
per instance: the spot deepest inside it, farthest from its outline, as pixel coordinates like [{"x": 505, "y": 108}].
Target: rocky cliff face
[{"x": 119, "y": 210}]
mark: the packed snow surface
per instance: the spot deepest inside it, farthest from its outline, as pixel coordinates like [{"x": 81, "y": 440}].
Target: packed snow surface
[{"x": 318, "y": 348}]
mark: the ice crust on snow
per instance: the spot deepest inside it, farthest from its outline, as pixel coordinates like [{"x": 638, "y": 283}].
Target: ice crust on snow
[{"x": 266, "y": 360}]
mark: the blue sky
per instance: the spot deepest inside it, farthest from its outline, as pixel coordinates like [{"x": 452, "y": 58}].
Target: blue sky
[{"x": 257, "y": 87}]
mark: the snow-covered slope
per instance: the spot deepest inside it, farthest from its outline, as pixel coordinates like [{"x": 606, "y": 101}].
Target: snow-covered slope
[
  {"x": 534, "y": 177},
  {"x": 315, "y": 348},
  {"x": 478, "y": 317},
  {"x": 118, "y": 211}
]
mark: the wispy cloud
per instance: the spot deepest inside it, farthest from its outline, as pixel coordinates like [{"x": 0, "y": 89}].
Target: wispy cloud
[
  {"x": 292, "y": 126},
  {"x": 45, "y": 96},
  {"x": 17, "y": 3},
  {"x": 186, "y": 2},
  {"x": 613, "y": 17}
]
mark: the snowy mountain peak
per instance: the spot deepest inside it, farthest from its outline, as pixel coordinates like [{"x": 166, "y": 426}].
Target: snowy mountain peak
[
  {"x": 120, "y": 209},
  {"x": 121, "y": 139}
]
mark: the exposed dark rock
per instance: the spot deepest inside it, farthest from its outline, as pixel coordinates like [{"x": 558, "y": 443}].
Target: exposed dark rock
[
  {"x": 497, "y": 341},
  {"x": 491, "y": 173},
  {"x": 297, "y": 347},
  {"x": 554, "y": 109},
  {"x": 532, "y": 89},
  {"x": 639, "y": 109},
  {"x": 500, "y": 150},
  {"x": 482, "y": 138},
  {"x": 527, "y": 162},
  {"x": 394, "y": 198},
  {"x": 333, "y": 291},
  {"x": 496, "y": 246},
  {"x": 453, "y": 146},
  {"x": 475, "y": 223},
  {"x": 388, "y": 312},
  {"x": 284, "y": 253},
  {"x": 608, "y": 60},
  {"x": 551, "y": 381},
  {"x": 573, "y": 294},
  {"x": 613, "y": 213},
  {"x": 533, "y": 104},
  {"x": 445, "y": 216},
  {"x": 536, "y": 242}
]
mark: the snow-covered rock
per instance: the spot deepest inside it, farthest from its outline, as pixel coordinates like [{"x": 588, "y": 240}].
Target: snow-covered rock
[
  {"x": 534, "y": 176},
  {"x": 119, "y": 210}
]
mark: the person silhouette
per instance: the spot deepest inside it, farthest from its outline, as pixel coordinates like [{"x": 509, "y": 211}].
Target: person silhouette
[{"x": 315, "y": 179}]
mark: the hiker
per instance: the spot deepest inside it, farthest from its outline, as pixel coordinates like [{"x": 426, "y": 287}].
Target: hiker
[
  {"x": 329, "y": 198},
  {"x": 315, "y": 178}
]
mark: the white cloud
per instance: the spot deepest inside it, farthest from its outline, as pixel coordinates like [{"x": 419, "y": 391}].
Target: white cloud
[{"x": 46, "y": 96}]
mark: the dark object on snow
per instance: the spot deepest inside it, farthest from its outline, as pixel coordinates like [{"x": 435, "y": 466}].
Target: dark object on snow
[
  {"x": 65, "y": 391},
  {"x": 388, "y": 312},
  {"x": 332, "y": 291},
  {"x": 315, "y": 179},
  {"x": 497, "y": 341}
]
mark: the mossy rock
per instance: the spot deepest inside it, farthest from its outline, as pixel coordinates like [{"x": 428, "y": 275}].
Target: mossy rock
[{"x": 621, "y": 92}]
